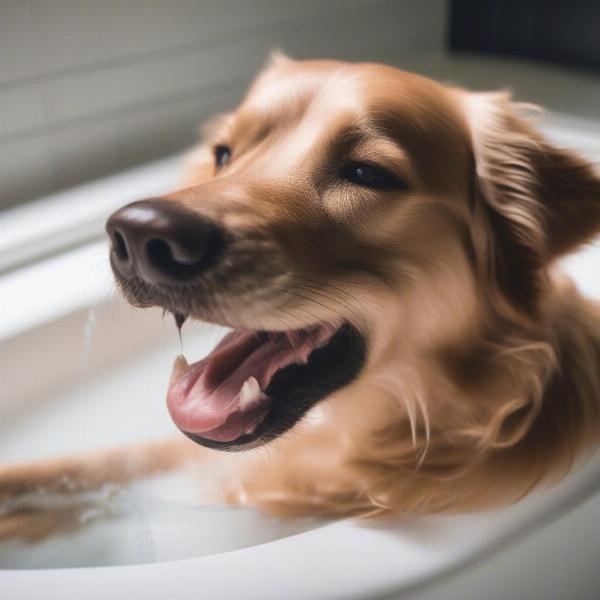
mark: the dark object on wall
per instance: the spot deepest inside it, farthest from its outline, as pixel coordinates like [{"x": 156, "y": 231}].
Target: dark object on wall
[{"x": 558, "y": 31}]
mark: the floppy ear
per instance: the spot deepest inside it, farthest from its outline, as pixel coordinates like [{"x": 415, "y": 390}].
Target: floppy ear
[{"x": 534, "y": 200}]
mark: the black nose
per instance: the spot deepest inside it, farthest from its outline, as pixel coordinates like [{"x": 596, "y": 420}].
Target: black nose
[{"x": 162, "y": 241}]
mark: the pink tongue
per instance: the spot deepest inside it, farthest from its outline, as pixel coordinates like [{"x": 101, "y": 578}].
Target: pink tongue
[{"x": 206, "y": 398}]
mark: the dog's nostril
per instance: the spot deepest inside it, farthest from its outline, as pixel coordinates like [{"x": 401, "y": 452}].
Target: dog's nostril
[
  {"x": 120, "y": 247},
  {"x": 160, "y": 254}
]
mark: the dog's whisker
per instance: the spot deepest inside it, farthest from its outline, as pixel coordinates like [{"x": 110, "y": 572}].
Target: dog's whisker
[
  {"x": 328, "y": 297},
  {"x": 350, "y": 298},
  {"x": 308, "y": 299}
]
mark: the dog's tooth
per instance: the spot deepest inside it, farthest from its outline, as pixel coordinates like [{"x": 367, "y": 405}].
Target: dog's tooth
[
  {"x": 250, "y": 392},
  {"x": 179, "y": 367}
]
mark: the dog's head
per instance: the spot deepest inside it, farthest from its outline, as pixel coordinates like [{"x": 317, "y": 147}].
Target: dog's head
[{"x": 345, "y": 216}]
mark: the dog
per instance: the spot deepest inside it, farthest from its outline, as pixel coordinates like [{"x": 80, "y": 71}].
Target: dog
[{"x": 384, "y": 249}]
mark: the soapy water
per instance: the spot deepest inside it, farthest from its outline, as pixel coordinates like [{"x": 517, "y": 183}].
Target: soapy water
[{"x": 150, "y": 521}]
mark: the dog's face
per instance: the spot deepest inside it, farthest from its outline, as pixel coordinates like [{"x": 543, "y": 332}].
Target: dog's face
[{"x": 331, "y": 221}]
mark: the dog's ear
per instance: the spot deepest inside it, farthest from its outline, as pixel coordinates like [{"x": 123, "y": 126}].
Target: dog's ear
[
  {"x": 277, "y": 58},
  {"x": 534, "y": 201}
]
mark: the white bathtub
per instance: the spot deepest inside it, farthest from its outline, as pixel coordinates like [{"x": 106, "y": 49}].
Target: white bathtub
[{"x": 78, "y": 367}]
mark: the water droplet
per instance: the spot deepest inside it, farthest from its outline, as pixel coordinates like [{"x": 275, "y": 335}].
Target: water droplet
[
  {"x": 88, "y": 332},
  {"x": 179, "y": 321}
]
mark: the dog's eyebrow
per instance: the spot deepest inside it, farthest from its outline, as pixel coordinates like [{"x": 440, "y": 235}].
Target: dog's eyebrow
[
  {"x": 351, "y": 134},
  {"x": 366, "y": 134}
]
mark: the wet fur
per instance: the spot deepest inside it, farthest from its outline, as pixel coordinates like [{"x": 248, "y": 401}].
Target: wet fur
[{"x": 483, "y": 371}]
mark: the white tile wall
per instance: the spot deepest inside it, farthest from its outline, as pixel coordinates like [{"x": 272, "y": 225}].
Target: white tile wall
[
  {"x": 79, "y": 153},
  {"x": 21, "y": 109},
  {"x": 19, "y": 55},
  {"x": 88, "y": 86},
  {"x": 25, "y": 170},
  {"x": 175, "y": 124}
]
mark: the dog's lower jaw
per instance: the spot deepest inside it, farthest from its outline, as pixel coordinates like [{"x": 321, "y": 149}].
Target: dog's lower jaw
[{"x": 532, "y": 415}]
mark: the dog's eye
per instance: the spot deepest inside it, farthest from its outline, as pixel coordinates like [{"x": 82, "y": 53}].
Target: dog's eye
[
  {"x": 222, "y": 155},
  {"x": 370, "y": 176}
]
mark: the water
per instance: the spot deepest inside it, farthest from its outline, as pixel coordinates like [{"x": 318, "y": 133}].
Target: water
[
  {"x": 88, "y": 332},
  {"x": 152, "y": 521}
]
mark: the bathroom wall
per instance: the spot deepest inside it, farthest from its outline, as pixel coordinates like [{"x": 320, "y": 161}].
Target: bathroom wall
[{"x": 89, "y": 87}]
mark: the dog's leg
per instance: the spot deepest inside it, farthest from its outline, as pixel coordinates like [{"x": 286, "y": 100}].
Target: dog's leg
[
  {"x": 90, "y": 470},
  {"x": 39, "y": 497},
  {"x": 31, "y": 525}
]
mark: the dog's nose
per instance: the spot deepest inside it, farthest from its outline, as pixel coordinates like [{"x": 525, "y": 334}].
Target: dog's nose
[{"x": 162, "y": 241}]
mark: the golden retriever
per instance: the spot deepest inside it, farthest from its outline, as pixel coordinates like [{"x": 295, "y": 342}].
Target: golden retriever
[{"x": 384, "y": 248}]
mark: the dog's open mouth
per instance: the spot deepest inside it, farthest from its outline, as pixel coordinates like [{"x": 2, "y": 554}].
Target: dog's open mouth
[{"x": 255, "y": 385}]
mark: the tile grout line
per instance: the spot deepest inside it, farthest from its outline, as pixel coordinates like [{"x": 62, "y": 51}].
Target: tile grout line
[{"x": 222, "y": 38}]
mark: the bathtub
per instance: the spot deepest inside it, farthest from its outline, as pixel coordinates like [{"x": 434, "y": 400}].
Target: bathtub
[{"x": 78, "y": 367}]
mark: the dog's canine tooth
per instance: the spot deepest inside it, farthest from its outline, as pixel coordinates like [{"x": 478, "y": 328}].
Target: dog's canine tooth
[
  {"x": 250, "y": 392},
  {"x": 179, "y": 366}
]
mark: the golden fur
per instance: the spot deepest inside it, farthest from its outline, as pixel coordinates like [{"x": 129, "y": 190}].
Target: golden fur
[
  {"x": 483, "y": 376},
  {"x": 483, "y": 371}
]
